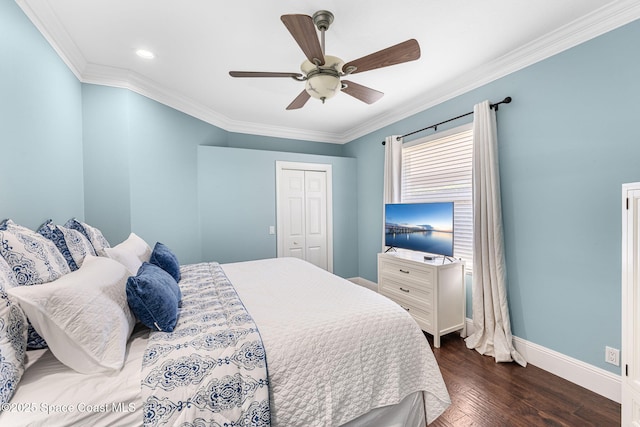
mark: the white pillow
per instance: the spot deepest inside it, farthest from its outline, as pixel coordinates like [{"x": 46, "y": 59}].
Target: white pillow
[
  {"x": 131, "y": 253},
  {"x": 83, "y": 316}
]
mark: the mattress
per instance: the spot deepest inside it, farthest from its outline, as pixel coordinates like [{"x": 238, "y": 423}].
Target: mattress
[{"x": 335, "y": 356}]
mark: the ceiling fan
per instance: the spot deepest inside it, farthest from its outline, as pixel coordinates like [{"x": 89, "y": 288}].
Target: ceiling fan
[{"x": 322, "y": 73}]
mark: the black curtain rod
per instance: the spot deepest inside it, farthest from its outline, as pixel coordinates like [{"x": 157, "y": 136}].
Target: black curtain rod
[{"x": 507, "y": 100}]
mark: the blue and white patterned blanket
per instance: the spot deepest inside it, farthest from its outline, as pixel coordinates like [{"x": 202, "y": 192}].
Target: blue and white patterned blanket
[{"x": 211, "y": 370}]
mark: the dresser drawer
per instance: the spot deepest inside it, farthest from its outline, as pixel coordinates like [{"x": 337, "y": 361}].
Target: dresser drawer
[
  {"x": 407, "y": 290},
  {"x": 422, "y": 315},
  {"x": 405, "y": 272}
]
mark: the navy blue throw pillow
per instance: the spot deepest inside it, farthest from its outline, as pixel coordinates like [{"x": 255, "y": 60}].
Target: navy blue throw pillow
[
  {"x": 166, "y": 260},
  {"x": 152, "y": 299}
]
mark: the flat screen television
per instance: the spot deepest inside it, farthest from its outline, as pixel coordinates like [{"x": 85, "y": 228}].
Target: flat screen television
[{"x": 423, "y": 227}]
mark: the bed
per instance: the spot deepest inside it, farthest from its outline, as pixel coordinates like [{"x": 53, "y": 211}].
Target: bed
[{"x": 294, "y": 344}]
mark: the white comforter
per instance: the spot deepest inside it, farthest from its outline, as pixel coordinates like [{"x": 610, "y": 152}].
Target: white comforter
[{"x": 334, "y": 350}]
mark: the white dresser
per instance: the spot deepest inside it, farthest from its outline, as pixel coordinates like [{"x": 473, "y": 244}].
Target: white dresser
[{"x": 432, "y": 292}]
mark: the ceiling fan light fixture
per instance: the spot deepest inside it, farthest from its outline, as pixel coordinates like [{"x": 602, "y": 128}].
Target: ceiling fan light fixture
[
  {"x": 323, "y": 86},
  {"x": 323, "y": 82}
]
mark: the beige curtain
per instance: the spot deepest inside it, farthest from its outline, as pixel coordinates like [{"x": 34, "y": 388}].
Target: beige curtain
[
  {"x": 492, "y": 325},
  {"x": 392, "y": 174},
  {"x": 392, "y": 169}
]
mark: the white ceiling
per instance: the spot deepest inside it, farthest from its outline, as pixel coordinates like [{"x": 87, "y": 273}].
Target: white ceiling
[{"x": 464, "y": 44}]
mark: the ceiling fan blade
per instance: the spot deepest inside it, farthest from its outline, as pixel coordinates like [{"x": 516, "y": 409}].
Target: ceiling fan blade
[
  {"x": 303, "y": 31},
  {"x": 402, "y": 52},
  {"x": 263, "y": 74},
  {"x": 299, "y": 101},
  {"x": 363, "y": 93}
]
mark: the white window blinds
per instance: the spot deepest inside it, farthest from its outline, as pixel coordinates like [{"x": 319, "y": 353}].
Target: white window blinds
[{"x": 438, "y": 169}]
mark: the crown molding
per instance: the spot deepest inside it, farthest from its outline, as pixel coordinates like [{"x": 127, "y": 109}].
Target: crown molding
[
  {"x": 600, "y": 21},
  {"x": 126, "y": 79},
  {"x": 590, "y": 26},
  {"x": 46, "y": 21}
]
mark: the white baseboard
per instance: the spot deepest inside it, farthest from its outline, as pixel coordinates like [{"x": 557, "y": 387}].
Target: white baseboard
[{"x": 583, "y": 374}]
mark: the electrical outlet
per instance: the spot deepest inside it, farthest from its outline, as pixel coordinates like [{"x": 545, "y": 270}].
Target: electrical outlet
[{"x": 612, "y": 355}]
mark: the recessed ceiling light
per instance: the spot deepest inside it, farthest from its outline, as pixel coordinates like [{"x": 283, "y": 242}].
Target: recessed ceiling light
[{"x": 146, "y": 54}]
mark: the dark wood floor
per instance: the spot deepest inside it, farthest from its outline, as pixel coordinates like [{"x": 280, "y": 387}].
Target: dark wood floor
[{"x": 485, "y": 393}]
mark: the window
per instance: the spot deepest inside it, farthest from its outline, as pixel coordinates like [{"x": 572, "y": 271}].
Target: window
[{"x": 438, "y": 169}]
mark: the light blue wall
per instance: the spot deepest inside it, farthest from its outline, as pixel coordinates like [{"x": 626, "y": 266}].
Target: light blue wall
[
  {"x": 567, "y": 143},
  {"x": 163, "y": 163},
  {"x": 140, "y": 168},
  {"x": 237, "y": 195},
  {"x": 106, "y": 160},
  {"x": 40, "y": 127},
  {"x": 141, "y": 171}
]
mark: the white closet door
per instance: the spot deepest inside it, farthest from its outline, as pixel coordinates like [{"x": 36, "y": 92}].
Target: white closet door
[
  {"x": 316, "y": 217},
  {"x": 631, "y": 305},
  {"x": 304, "y": 212},
  {"x": 293, "y": 214}
]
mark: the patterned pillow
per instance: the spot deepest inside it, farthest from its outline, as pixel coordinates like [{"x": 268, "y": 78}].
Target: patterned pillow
[
  {"x": 93, "y": 234},
  {"x": 78, "y": 245},
  {"x": 13, "y": 336},
  {"x": 72, "y": 244},
  {"x": 34, "y": 259},
  {"x": 49, "y": 230},
  {"x": 7, "y": 278}
]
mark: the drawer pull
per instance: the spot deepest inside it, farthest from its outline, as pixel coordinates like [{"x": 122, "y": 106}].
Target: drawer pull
[
  {"x": 404, "y": 290},
  {"x": 404, "y": 271}
]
